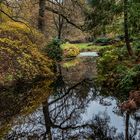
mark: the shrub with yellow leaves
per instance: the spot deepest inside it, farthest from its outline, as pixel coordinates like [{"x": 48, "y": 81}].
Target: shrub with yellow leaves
[
  {"x": 71, "y": 50},
  {"x": 20, "y": 54}
]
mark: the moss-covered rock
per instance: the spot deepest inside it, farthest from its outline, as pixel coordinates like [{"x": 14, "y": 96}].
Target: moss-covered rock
[{"x": 20, "y": 54}]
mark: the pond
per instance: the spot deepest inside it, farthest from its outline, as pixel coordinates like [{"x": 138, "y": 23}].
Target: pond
[
  {"x": 88, "y": 54},
  {"x": 69, "y": 108}
]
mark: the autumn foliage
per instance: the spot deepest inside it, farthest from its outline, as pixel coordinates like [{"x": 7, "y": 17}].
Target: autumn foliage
[
  {"x": 20, "y": 54},
  {"x": 133, "y": 103},
  {"x": 71, "y": 50}
]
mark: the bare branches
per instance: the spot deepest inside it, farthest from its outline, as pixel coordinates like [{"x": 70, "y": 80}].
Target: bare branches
[
  {"x": 12, "y": 18},
  {"x": 65, "y": 17},
  {"x": 66, "y": 10},
  {"x": 68, "y": 91}
]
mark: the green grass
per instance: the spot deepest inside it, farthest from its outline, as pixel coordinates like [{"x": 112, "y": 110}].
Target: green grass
[{"x": 86, "y": 47}]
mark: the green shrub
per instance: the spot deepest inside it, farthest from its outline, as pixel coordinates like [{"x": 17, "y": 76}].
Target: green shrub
[
  {"x": 136, "y": 47},
  {"x": 103, "y": 41},
  {"x": 54, "y": 50},
  {"x": 130, "y": 79},
  {"x": 117, "y": 71},
  {"x": 103, "y": 50}
]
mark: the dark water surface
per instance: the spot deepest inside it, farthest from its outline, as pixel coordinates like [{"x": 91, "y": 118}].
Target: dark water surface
[{"x": 72, "y": 109}]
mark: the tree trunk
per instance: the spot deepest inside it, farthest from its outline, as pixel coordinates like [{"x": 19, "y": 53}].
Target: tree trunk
[
  {"x": 126, "y": 31},
  {"x": 60, "y": 26},
  {"x": 48, "y": 122},
  {"x": 41, "y": 21},
  {"x": 127, "y": 126}
]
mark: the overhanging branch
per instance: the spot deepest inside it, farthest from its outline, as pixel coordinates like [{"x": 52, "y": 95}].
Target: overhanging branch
[
  {"x": 80, "y": 27},
  {"x": 15, "y": 20}
]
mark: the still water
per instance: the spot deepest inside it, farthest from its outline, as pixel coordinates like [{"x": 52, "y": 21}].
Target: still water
[{"x": 69, "y": 108}]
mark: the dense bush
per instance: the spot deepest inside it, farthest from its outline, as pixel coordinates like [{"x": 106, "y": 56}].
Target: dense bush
[
  {"x": 130, "y": 79},
  {"x": 103, "y": 41},
  {"x": 54, "y": 50},
  {"x": 20, "y": 54},
  {"x": 117, "y": 71},
  {"x": 71, "y": 50},
  {"x": 136, "y": 44}
]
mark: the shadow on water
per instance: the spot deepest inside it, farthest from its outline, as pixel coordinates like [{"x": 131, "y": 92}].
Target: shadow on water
[
  {"x": 76, "y": 111},
  {"x": 21, "y": 102}
]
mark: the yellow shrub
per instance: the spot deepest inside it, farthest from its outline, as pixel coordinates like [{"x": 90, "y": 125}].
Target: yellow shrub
[
  {"x": 20, "y": 56},
  {"x": 71, "y": 50},
  {"x": 6, "y": 9}
]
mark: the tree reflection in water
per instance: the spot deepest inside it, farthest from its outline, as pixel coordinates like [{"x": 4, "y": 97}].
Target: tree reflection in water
[{"x": 61, "y": 116}]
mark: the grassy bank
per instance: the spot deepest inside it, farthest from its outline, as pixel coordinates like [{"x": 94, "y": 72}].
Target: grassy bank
[{"x": 85, "y": 46}]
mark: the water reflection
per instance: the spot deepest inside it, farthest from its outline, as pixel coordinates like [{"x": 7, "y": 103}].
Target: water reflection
[
  {"x": 76, "y": 111},
  {"x": 21, "y": 102},
  {"x": 60, "y": 117}
]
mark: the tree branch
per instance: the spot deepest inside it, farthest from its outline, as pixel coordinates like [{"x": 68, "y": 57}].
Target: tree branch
[
  {"x": 66, "y": 93},
  {"x": 80, "y": 27}
]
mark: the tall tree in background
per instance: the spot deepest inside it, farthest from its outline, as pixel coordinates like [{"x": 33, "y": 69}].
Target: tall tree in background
[
  {"x": 59, "y": 21},
  {"x": 41, "y": 20},
  {"x": 126, "y": 28},
  {"x": 100, "y": 14},
  {"x": 134, "y": 18},
  {"x": 104, "y": 12}
]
